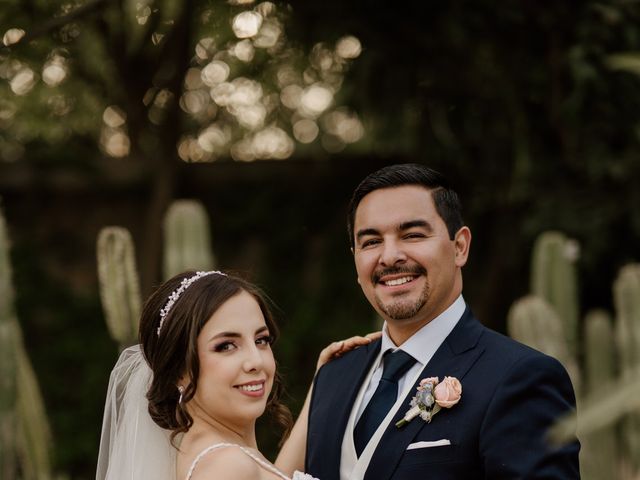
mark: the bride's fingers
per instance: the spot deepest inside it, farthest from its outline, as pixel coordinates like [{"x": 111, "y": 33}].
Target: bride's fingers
[
  {"x": 336, "y": 349},
  {"x": 373, "y": 335},
  {"x": 330, "y": 351}
]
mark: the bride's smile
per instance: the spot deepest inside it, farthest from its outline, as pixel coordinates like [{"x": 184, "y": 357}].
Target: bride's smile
[{"x": 236, "y": 362}]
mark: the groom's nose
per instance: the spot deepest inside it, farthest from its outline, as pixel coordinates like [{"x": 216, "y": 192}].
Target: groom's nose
[{"x": 392, "y": 253}]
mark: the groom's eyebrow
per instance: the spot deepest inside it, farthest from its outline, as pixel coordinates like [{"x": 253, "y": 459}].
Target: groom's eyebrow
[
  {"x": 366, "y": 231},
  {"x": 415, "y": 224}
]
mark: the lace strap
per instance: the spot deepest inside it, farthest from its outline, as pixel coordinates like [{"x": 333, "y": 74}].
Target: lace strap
[{"x": 266, "y": 465}]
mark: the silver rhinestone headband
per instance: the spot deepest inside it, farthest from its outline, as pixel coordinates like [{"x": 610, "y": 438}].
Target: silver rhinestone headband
[{"x": 173, "y": 298}]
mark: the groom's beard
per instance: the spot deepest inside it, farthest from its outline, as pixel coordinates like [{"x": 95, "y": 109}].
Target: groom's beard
[{"x": 403, "y": 309}]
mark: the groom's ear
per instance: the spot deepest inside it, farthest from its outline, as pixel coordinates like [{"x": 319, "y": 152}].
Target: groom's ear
[{"x": 462, "y": 245}]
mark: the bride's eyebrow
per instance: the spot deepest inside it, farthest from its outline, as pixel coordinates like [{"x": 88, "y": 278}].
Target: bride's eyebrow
[
  {"x": 262, "y": 329},
  {"x": 236, "y": 334},
  {"x": 225, "y": 335}
]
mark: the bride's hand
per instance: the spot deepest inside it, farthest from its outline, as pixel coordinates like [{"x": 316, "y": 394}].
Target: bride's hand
[{"x": 336, "y": 349}]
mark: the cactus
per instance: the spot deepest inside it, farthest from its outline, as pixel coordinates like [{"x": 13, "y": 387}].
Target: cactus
[
  {"x": 119, "y": 284},
  {"x": 187, "y": 240},
  {"x": 553, "y": 277},
  {"x": 626, "y": 296},
  {"x": 600, "y": 449},
  {"x": 532, "y": 321},
  {"x": 34, "y": 439},
  {"x": 8, "y": 453},
  {"x": 550, "y": 325},
  {"x": 24, "y": 429}
]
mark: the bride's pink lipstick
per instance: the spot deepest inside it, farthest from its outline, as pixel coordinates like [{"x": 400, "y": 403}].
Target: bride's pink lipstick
[{"x": 252, "y": 389}]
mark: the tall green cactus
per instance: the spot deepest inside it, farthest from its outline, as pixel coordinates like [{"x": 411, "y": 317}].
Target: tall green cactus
[
  {"x": 532, "y": 321},
  {"x": 600, "y": 449},
  {"x": 25, "y": 434},
  {"x": 553, "y": 277},
  {"x": 119, "y": 284},
  {"x": 8, "y": 450},
  {"x": 609, "y": 391},
  {"x": 626, "y": 297},
  {"x": 187, "y": 238}
]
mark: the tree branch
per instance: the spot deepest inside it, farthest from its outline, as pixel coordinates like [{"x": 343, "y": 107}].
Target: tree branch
[{"x": 52, "y": 24}]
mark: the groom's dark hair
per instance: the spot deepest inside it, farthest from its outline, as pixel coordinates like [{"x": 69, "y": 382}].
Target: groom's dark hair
[{"x": 444, "y": 197}]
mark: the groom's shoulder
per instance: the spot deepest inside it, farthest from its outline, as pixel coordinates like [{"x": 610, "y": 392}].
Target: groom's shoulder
[
  {"x": 506, "y": 351},
  {"x": 357, "y": 357}
]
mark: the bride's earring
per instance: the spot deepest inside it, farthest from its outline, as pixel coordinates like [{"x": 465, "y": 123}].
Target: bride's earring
[{"x": 181, "y": 390}]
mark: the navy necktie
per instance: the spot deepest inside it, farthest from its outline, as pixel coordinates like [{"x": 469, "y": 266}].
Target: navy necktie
[{"x": 395, "y": 365}]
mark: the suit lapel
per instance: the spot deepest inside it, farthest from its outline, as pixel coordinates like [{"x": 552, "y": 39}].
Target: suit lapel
[
  {"x": 345, "y": 391},
  {"x": 454, "y": 358}
]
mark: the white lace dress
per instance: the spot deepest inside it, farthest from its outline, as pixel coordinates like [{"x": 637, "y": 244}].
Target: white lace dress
[{"x": 266, "y": 465}]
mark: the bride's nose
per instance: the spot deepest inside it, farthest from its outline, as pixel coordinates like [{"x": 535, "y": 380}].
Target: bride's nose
[{"x": 253, "y": 359}]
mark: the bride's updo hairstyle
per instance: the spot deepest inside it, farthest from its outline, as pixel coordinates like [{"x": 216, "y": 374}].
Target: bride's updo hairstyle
[{"x": 171, "y": 350}]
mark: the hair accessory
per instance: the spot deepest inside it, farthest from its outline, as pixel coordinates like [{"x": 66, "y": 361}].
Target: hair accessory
[{"x": 173, "y": 298}]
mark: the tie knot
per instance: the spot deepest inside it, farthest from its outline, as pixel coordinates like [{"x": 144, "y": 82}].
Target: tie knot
[{"x": 396, "y": 365}]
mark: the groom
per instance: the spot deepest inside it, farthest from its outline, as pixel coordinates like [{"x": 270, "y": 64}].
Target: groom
[{"x": 409, "y": 245}]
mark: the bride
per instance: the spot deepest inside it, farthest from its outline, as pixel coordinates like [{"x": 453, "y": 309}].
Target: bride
[{"x": 184, "y": 403}]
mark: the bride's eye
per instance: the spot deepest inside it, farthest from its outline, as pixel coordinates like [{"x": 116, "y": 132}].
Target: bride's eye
[
  {"x": 264, "y": 340},
  {"x": 224, "y": 347}
]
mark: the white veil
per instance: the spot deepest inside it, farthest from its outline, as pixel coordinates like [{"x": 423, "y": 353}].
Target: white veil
[{"x": 132, "y": 446}]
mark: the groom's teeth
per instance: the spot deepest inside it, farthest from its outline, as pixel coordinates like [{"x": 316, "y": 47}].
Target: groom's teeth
[
  {"x": 398, "y": 281},
  {"x": 252, "y": 388}
]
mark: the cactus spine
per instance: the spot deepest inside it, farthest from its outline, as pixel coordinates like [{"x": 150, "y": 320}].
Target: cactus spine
[
  {"x": 187, "y": 238},
  {"x": 119, "y": 284},
  {"x": 25, "y": 434}
]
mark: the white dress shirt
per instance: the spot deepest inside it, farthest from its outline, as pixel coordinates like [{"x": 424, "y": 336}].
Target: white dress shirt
[{"x": 422, "y": 345}]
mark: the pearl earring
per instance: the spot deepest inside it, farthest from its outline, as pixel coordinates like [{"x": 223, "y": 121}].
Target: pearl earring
[{"x": 181, "y": 390}]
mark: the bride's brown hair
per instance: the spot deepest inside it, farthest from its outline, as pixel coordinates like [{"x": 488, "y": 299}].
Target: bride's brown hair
[{"x": 172, "y": 353}]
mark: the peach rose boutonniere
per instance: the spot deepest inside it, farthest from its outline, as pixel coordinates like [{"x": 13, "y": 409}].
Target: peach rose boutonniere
[{"x": 432, "y": 396}]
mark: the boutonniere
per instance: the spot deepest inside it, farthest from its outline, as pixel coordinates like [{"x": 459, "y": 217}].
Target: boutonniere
[{"x": 432, "y": 396}]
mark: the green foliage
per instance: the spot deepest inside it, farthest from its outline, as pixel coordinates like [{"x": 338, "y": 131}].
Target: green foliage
[{"x": 187, "y": 238}]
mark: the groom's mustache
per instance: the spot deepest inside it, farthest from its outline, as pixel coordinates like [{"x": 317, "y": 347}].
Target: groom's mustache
[{"x": 412, "y": 270}]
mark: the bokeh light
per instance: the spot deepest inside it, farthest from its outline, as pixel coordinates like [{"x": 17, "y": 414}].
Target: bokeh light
[
  {"x": 215, "y": 72},
  {"x": 54, "y": 71},
  {"x": 305, "y": 130},
  {"x": 13, "y": 35},
  {"x": 114, "y": 117},
  {"x": 314, "y": 100},
  {"x": 23, "y": 81},
  {"x": 349, "y": 47},
  {"x": 246, "y": 24}
]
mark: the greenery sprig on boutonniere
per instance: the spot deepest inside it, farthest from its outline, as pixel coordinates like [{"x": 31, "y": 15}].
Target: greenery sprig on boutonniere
[{"x": 431, "y": 397}]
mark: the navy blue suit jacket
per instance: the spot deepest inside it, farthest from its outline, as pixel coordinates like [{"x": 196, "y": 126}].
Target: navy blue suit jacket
[{"x": 511, "y": 394}]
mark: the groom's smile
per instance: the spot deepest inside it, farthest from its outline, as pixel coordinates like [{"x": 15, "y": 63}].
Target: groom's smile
[{"x": 405, "y": 259}]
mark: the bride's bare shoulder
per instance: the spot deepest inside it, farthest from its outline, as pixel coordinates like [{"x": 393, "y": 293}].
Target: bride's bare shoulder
[{"x": 229, "y": 462}]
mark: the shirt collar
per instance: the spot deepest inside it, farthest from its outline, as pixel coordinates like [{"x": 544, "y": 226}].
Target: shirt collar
[{"x": 424, "y": 343}]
